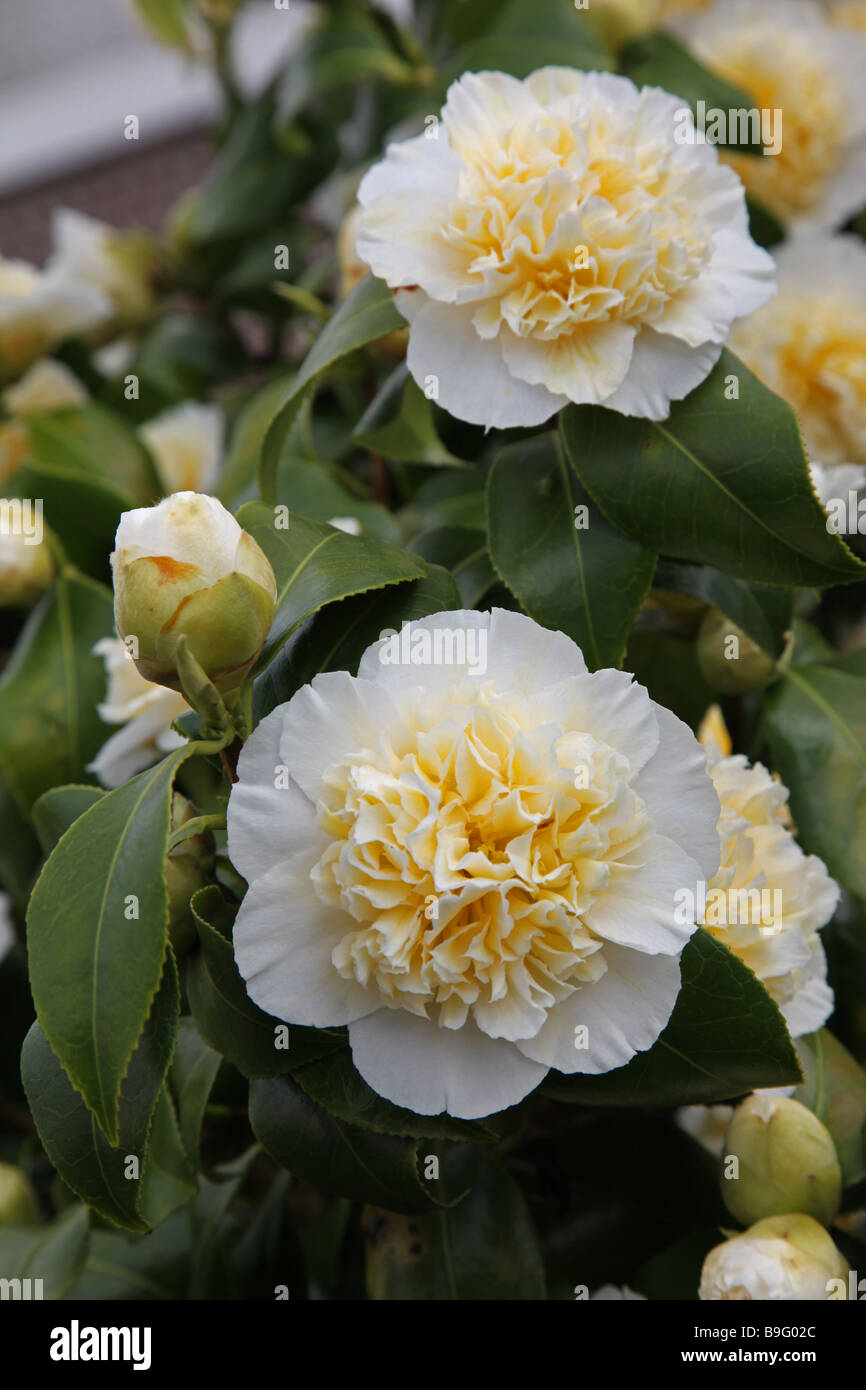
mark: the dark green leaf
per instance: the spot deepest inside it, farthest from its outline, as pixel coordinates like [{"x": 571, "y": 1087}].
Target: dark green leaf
[
  {"x": 816, "y": 723},
  {"x": 93, "y": 1168},
  {"x": 586, "y": 580},
  {"x": 399, "y": 425},
  {"x": 524, "y": 36},
  {"x": 53, "y": 1254},
  {"x": 315, "y": 564},
  {"x": 57, "y": 809},
  {"x": 483, "y": 1247},
  {"x": 332, "y": 1155},
  {"x": 97, "y": 934},
  {"x": 367, "y": 314},
  {"x": 336, "y": 638},
  {"x": 763, "y": 611},
  {"x": 168, "y": 1181},
  {"x": 193, "y": 1072},
  {"x": 721, "y": 481},
  {"x": 834, "y": 1087},
  {"x": 49, "y": 727},
  {"x": 464, "y": 553}
]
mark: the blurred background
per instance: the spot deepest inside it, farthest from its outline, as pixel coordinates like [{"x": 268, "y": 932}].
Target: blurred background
[{"x": 70, "y": 74}]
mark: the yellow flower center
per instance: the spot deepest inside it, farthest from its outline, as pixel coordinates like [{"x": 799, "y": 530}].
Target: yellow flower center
[
  {"x": 467, "y": 856},
  {"x": 566, "y": 228}
]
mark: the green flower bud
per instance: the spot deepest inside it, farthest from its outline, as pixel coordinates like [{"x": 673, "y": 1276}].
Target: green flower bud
[
  {"x": 730, "y": 661},
  {"x": 188, "y": 867},
  {"x": 18, "y": 1203},
  {"x": 184, "y": 568},
  {"x": 786, "y": 1162},
  {"x": 783, "y": 1258}
]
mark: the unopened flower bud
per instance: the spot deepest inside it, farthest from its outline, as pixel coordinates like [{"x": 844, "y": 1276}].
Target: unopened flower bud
[
  {"x": 784, "y": 1258},
  {"x": 786, "y": 1162},
  {"x": 18, "y": 1203},
  {"x": 730, "y": 661},
  {"x": 184, "y": 568},
  {"x": 26, "y": 567}
]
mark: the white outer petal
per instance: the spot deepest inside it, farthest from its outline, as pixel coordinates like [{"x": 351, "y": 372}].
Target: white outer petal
[
  {"x": 612, "y": 707},
  {"x": 624, "y": 1011},
  {"x": 639, "y": 910},
  {"x": 663, "y": 369},
  {"x": 686, "y": 809},
  {"x": 521, "y": 655},
  {"x": 336, "y": 715},
  {"x": 283, "y": 941},
  {"x": 415, "y": 1063},
  {"x": 474, "y": 382},
  {"x": 265, "y": 822}
]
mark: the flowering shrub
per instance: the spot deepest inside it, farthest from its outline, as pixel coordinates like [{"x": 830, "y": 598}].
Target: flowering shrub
[{"x": 432, "y": 748}]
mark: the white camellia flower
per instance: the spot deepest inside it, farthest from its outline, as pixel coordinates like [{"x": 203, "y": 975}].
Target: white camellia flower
[
  {"x": 47, "y": 385},
  {"x": 7, "y": 931},
  {"x": 790, "y": 57},
  {"x": 145, "y": 710},
  {"x": 778, "y": 940},
  {"x": 809, "y": 345},
  {"x": 555, "y": 243},
  {"x": 40, "y": 308},
  {"x": 475, "y": 872},
  {"x": 89, "y": 252},
  {"x": 186, "y": 443},
  {"x": 781, "y": 1259}
]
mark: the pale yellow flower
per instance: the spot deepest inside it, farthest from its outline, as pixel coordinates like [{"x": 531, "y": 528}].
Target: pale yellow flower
[
  {"x": 186, "y": 444},
  {"x": 789, "y": 57},
  {"x": 471, "y": 861},
  {"x": 781, "y": 1259},
  {"x": 555, "y": 242},
  {"x": 38, "y": 309},
  {"x": 809, "y": 344},
  {"x": 47, "y": 385}
]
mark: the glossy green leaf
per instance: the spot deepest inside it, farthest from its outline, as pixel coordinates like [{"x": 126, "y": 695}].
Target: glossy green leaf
[
  {"x": 193, "y": 1071},
  {"x": 765, "y": 612},
  {"x": 398, "y": 424},
  {"x": 223, "y": 1012},
  {"x": 49, "y": 726},
  {"x": 722, "y": 482},
  {"x": 151, "y": 1267},
  {"x": 816, "y": 724},
  {"x": 70, "y": 1135},
  {"x": 90, "y": 441},
  {"x": 464, "y": 553},
  {"x": 341, "y": 49},
  {"x": 521, "y": 36},
  {"x": 666, "y": 665},
  {"x": 315, "y": 564},
  {"x": 332, "y": 1155},
  {"x": 168, "y": 1180},
  {"x": 367, "y": 314},
  {"x": 834, "y": 1087},
  {"x": 97, "y": 934},
  {"x": 53, "y": 1254},
  {"x": 238, "y": 473},
  {"x": 57, "y": 809},
  {"x": 336, "y": 638},
  {"x": 484, "y": 1247},
  {"x": 725, "y": 1037},
  {"x": 587, "y": 580}
]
